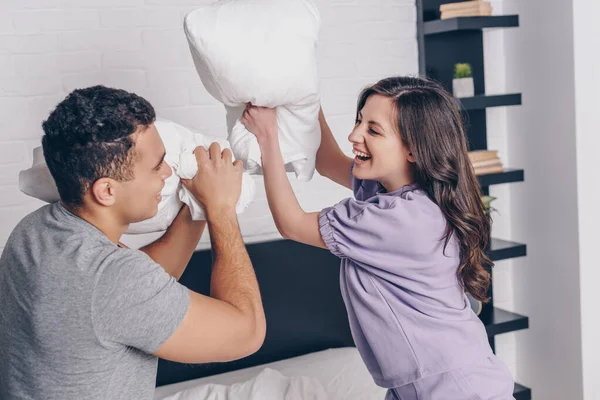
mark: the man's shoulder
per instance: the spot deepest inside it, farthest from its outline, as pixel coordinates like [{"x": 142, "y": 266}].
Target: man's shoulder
[
  {"x": 119, "y": 256},
  {"x": 34, "y": 218},
  {"x": 115, "y": 263},
  {"x": 31, "y": 225},
  {"x": 42, "y": 225},
  {"x": 46, "y": 230}
]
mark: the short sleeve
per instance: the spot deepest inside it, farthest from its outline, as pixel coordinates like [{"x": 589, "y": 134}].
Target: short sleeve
[
  {"x": 136, "y": 302},
  {"x": 384, "y": 231},
  {"x": 353, "y": 228}
]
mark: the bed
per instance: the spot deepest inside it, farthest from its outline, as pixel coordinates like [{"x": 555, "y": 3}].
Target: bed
[
  {"x": 307, "y": 328},
  {"x": 339, "y": 372}
]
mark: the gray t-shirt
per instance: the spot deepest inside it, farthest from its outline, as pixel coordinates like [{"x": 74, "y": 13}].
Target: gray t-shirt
[{"x": 79, "y": 316}]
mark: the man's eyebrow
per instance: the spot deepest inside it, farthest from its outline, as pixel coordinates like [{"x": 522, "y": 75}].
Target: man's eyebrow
[{"x": 161, "y": 160}]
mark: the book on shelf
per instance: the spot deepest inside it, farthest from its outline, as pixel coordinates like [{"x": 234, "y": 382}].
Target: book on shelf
[
  {"x": 466, "y": 9},
  {"x": 486, "y": 163},
  {"x": 466, "y": 14},
  {"x": 461, "y": 5},
  {"x": 489, "y": 170},
  {"x": 482, "y": 155}
]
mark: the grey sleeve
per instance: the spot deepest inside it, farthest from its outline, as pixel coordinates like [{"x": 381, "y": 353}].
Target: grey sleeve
[{"x": 136, "y": 302}]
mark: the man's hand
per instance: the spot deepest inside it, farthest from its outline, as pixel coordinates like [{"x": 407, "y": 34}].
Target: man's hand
[{"x": 218, "y": 183}]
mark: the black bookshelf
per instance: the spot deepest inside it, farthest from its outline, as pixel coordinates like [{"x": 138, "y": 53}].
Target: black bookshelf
[
  {"x": 442, "y": 44},
  {"x": 521, "y": 392},
  {"x": 507, "y": 176},
  {"x": 501, "y": 321},
  {"x": 503, "y": 250},
  {"x": 482, "y": 102},
  {"x": 438, "y": 26}
]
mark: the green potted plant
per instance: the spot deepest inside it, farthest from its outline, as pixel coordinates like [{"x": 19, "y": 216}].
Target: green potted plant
[
  {"x": 462, "y": 84},
  {"x": 487, "y": 203}
]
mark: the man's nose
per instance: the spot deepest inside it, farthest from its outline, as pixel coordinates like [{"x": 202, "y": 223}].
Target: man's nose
[{"x": 168, "y": 172}]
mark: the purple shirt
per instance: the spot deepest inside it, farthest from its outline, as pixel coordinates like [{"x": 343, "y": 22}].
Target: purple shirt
[{"x": 407, "y": 310}]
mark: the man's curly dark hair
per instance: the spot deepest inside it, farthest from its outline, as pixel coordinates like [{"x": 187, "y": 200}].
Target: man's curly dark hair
[{"x": 88, "y": 137}]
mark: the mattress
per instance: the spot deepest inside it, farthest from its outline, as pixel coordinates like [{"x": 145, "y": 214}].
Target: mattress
[{"x": 341, "y": 372}]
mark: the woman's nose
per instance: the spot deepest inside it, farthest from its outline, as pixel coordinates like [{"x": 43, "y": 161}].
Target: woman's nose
[{"x": 355, "y": 136}]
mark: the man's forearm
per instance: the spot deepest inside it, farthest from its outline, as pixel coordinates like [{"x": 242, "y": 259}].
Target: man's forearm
[
  {"x": 233, "y": 279},
  {"x": 175, "y": 248}
]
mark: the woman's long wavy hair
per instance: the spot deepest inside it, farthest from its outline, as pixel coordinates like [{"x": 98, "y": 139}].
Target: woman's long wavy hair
[{"x": 430, "y": 125}]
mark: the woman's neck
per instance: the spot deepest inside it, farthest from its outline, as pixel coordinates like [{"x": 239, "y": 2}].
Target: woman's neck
[{"x": 397, "y": 182}]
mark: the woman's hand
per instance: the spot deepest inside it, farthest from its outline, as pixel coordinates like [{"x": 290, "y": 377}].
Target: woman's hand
[{"x": 261, "y": 122}]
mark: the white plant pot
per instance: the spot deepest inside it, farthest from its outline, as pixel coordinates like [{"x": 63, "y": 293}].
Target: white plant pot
[{"x": 463, "y": 87}]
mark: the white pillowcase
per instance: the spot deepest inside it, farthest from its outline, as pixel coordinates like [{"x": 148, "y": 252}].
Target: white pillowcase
[
  {"x": 179, "y": 143},
  {"x": 268, "y": 385},
  {"x": 262, "y": 52}
]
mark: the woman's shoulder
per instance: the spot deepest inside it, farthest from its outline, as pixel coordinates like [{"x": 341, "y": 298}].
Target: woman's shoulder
[
  {"x": 411, "y": 205},
  {"x": 413, "y": 195}
]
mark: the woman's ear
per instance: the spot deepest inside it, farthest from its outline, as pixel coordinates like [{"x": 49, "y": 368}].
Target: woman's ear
[{"x": 410, "y": 157}]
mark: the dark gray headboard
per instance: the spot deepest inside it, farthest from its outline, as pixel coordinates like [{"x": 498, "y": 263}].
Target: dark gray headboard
[{"x": 303, "y": 305}]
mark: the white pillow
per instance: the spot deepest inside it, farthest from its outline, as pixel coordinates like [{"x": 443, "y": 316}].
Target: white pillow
[
  {"x": 179, "y": 144},
  {"x": 37, "y": 181},
  {"x": 268, "y": 385},
  {"x": 263, "y": 52}
]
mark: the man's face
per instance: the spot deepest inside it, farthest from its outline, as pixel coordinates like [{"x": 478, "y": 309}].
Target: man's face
[{"x": 138, "y": 198}]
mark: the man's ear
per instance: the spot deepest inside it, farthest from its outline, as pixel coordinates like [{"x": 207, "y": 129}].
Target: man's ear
[{"x": 104, "y": 191}]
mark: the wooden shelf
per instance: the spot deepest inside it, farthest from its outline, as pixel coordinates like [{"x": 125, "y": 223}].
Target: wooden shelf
[
  {"x": 521, "y": 392},
  {"x": 503, "y": 249},
  {"x": 469, "y": 23},
  {"x": 506, "y": 176},
  {"x": 501, "y": 321},
  {"x": 481, "y": 102}
]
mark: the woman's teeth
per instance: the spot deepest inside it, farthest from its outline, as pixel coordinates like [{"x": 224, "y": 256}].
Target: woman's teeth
[{"x": 361, "y": 156}]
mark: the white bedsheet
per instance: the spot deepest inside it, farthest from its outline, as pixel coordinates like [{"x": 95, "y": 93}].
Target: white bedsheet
[
  {"x": 268, "y": 385},
  {"x": 341, "y": 372}
]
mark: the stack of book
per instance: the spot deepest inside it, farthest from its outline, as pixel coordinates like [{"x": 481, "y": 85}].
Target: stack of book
[
  {"x": 485, "y": 162},
  {"x": 466, "y": 9}
]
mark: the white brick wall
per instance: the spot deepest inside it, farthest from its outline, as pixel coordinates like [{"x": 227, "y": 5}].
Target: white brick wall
[{"x": 50, "y": 47}]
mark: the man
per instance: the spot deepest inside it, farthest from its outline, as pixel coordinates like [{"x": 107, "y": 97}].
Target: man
[{"x": 82, "y": 316}]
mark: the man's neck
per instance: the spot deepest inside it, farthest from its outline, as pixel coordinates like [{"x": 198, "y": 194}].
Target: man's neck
[{"x": 104, "y": 222}]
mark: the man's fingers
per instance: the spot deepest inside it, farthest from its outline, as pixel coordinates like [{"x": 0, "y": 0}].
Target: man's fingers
[
  {"x": 201, "y": 154},
  {"x": 238, "y": 164},
  {"x": 215, "y": 151},
  {"x": 227, "y": 156}
]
